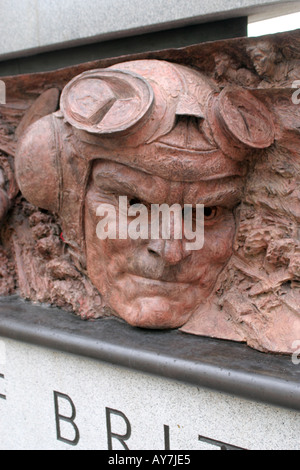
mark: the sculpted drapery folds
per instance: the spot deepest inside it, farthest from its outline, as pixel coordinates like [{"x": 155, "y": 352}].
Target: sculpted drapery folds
[{"x": 161, "y": 132}]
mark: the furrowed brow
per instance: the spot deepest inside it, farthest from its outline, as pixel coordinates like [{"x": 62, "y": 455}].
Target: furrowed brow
[
  {"x": 122, "y": 179},
  {"x": 227, "y": 194}
]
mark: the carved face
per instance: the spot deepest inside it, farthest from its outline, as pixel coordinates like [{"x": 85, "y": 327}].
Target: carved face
[
  {"x": 223, "y": 62},
  {"x": 264, "y": 58},
  {"x": 156, "y": 283},
  {"x": 165, "y": 134}
]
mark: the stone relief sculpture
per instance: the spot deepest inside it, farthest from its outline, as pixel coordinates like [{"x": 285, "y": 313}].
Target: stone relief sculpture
[
  {"x": 270, "y": 64},
  {"x": 213, "y": 124},
  {"x": 230, "y": 70}
]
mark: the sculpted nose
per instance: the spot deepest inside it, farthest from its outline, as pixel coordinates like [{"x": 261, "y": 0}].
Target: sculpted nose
[{"x": 170, "y": 251}]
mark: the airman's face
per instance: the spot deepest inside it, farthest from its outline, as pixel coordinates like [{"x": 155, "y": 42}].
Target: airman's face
[
  {"x": 156, "y": 283},
  {"x": 263, "y": 61},
  {"x": 222, "y": 63}
]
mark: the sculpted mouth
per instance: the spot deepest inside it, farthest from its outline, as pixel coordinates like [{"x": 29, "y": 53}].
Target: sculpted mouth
[{"x": 160, "y": 282}]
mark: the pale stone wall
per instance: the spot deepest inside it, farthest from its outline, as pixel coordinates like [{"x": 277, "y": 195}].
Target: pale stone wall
[{"x": 31, "y": 26}]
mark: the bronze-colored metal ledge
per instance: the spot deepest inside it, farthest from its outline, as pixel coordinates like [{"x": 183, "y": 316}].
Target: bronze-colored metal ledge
[{"x": 223, "y": 366}]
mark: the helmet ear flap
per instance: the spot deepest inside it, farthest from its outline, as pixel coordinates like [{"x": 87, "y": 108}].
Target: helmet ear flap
[
  {"x": 240, "y": 122},
  {"x": 37, "y": 164}
]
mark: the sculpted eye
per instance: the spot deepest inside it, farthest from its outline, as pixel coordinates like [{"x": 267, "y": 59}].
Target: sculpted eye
[
  {"x": 134, "y": 201},
  {"x": 210, "y": 213}
]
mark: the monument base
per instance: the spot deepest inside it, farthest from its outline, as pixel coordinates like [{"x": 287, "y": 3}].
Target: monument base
[{"x": 103, "y": 385}]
